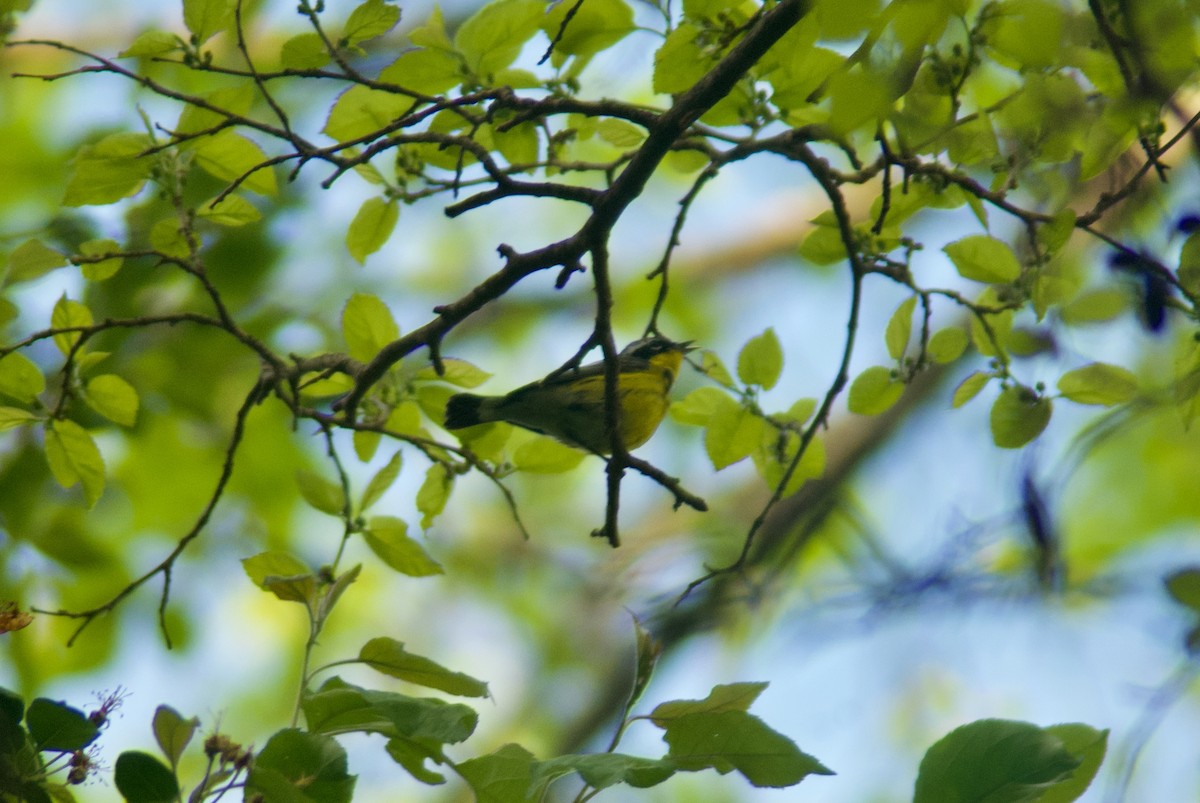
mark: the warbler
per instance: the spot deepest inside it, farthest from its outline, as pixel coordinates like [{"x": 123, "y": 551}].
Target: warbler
[{"x": 569, "y": 406}]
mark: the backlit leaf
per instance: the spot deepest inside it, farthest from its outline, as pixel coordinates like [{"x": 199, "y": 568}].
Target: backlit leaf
[{"x": 74, "y": 458}]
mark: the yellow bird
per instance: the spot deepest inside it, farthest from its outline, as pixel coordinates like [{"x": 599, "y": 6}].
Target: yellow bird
[{"x": 570, "y": 406}]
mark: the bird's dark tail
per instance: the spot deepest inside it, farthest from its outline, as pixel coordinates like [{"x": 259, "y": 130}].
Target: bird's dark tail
[{"x": 462, "y": 410}]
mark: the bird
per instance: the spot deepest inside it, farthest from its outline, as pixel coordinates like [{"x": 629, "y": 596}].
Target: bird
[{"x": 570, "y": 405}]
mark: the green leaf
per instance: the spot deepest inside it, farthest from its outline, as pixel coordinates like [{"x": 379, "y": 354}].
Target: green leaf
[
  {"x": 502, "y": 776},
  {"x": 732, "y": 434},
  {"x": 31, "y": 260},
  {"x": 387, "y": 537},
  {"x": 969, "y": 388},
  {"x": 305, "y": 51},
  {"x": 993, "y": 760},
  {"x": 172, "y": 732},
  {"x": 264, "y": 567},
  {"x": 1099, "y": 383},
  {"x": 389, "y": 657},
  {"x": 649, "y": 650},
  {"x": 723, "y": 697},
  {"x": 105, "y": 268},
  {"x": 207, "y": 18},
  {"x": 229, "y": 156},
  {"x": 983, "y": 259},
  {"x": 114, "y": 398},
  {"x": 320, "y": 493},
  {"x": 58, "y": 726},
  {"x": 372, "y": 18},
  {"x": 167, "y": 238},
  {"x": 946, "y": 345},
  {"x": 434, "y": 493},
  {"x": 142, "y": 778},
  {"x": 232, "y": 211},
  {"x": 360, "y": 111},
  {"x": 368, "y": 326},
  {"x": 760, "y": 361},
  {"x": 299, "y": 766},
  {"x": 1095, "y": 306},
  {"x": 371, "y": 227},
  {"x": 425, "y": 70},
  {"x": 379, "y": 483},
  {"x": 68, "y": 314},
  {"x": 602, "y": 770},
  {"x": 1018, "y": 416},
  {"x": 20, "y": 378},
  {"x": 874, "y": 391},
  {"x": 459, "y": 373},
  {"x": 596, "y": 26},
  {"x": 679, "y": 61},
  {"x": 735, "y": 740},
  {"x": 699, "y": 406},
  {"x": 492, "y": 37},
  {"x": 899, "y": 328},
  {"x": 73, "y": 457},
  {"x": 110, "y": 170},
  {"x": 823, "y": 246},
  {"x": 1085, "y": 743},
  {"x": 1184, "y": 587},
  {"x": 543, "y": 455},
  {"x": 152, "y": 43},
  {"x": 341, "y": 707},
  {"x": 11, "y": 417}
]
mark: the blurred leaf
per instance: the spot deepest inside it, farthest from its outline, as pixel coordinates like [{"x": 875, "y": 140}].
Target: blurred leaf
[
  {"x": 1099, "y": 383},
  {"x": 11, "y": 417},
  {"x": 20, "y": 378},
  {"x": 31, "y": 260},
  {"x": 207, "y": 18},
  {"x": 380, "y": 482},
  {"x": 899, "y": 328},
  {"x": 1184, "y": 587},
  {"x": 69, "y": 314},
  {"x": 172, "y": 732},
  {"x": 387, "y": 537},
  {"x": 142, "y": 778},
  {"x": 371, "y": 227},
  {"x": 601, "y": 770},
  {"x": 434, "y": 493},
  {"x": 232, "y": 210},
  {"x": 502, "y": 776},
  {"x": 369, "y": 20},
  {"x": 1086, "y": 744},
  {"x": 305, "y": 51},
  {"x": 735, "y": 740},
  {"x": 459, "y": 373},
  {"x": 1018, "y": 416},
  {"x": 993, "y": 760},
  {"x": 104, "y": 269},
  {"x": 114, "y": 398},
  {"x": 299, "y": 766},
  {"x": 969, "y": 388},
  {"x": 110, "y": 170},
  {"x": 58, "y": 726},
  {"x": 320, "y": 493},
  {"x": 761, "y": 360},
  {"x": 231, "y": 157},
  {"x": 492, "y": 37},
  {"x": 367, "y": 326},
  {"x": 389, "y": 657},
  {"x": 947, "y": 345},
  {"x": 73, "y": 457},
  {"x": 983, "y": 259},
  {"x": 874, "y": 391},
  {"x": 543, "y": 455}
]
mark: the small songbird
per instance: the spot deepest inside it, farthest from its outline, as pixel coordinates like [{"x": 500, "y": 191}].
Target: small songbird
[{"x": 569, "y": 405}]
